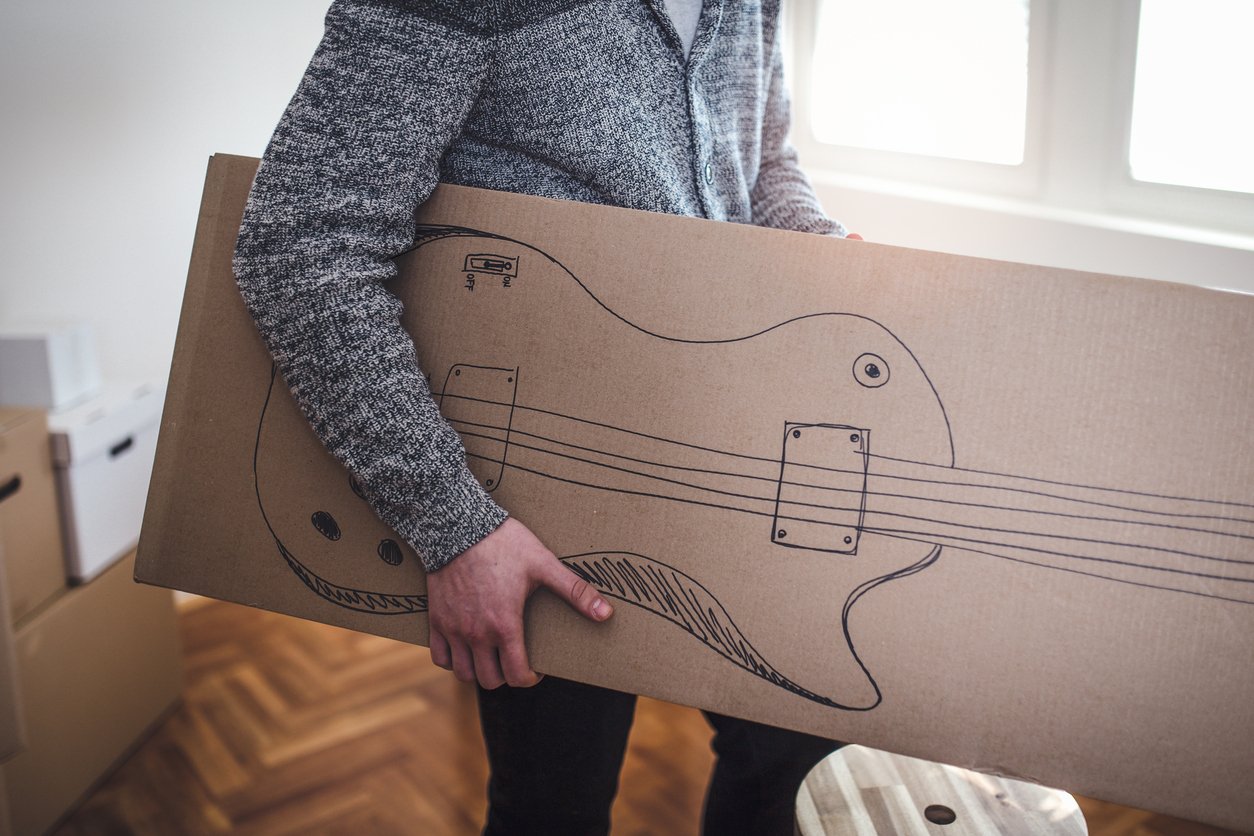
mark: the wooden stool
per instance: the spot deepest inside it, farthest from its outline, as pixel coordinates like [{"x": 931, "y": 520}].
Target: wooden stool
[{"x": 866, "y": 792}]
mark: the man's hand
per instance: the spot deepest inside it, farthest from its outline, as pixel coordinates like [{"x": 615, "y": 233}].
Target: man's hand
[{"x": 476, "y": 605}]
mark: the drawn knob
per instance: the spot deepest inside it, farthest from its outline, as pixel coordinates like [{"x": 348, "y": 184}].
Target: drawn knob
[{"x": 870, "y": 370}]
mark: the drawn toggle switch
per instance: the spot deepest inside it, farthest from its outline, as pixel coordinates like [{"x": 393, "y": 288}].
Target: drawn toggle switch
[{"x": 497, "y": 265}]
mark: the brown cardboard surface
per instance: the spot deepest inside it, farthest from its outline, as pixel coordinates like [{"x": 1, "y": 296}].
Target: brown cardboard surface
[
  {"x": 984, "y": 513},
  {"x": 6, "y": 828},
  {"x": 28, "y": 511},
  {"x": 99, "y": 665},
  {"x": 12, "y": 729}
]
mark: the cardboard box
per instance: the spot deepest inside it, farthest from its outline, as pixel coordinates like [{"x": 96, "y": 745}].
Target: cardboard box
[
  {"x": 47, "y": 366},
  {"x": 12, "y": 729},
  {"x": 989, "y": 514},
  {"x": 29, "y": 523},
  {"x": 99, "y": 666},
  {"x": 103, "y": 450}
]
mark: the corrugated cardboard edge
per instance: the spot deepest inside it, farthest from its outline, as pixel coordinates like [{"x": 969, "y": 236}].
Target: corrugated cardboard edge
[{"x": 222, "y": 172}]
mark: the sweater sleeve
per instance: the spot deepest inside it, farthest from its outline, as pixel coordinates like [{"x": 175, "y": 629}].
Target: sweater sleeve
[
  {"x": 782, "y": 196},
  {"x": 356, "y": 151}
]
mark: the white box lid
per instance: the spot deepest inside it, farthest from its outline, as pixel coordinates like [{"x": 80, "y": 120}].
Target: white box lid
[{"x": 105, "y": 421}]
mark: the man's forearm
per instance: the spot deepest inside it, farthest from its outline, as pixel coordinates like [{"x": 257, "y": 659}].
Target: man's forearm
[{"x": 356, "y": 151}]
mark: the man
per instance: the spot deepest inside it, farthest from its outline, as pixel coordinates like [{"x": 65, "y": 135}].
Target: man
[{"x": 665, "y": 106}]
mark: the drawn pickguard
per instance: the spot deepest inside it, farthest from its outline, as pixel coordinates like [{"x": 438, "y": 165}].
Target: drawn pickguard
[{"x": 833, "y": 473}]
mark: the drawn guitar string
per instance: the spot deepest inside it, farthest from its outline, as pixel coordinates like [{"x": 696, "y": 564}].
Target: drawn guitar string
[
  {"x": 960, "y": 541},
  {"x": 471, "y": 433},
  {"x": 965, "y": 543},
  {"x": 803, "y": 494},
  {"x": 517, "y": 432}
]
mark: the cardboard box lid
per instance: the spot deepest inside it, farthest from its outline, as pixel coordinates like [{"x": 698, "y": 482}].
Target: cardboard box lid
[
  {"x": 100, "y": 424},
  {"x": 989, "y": 514}
]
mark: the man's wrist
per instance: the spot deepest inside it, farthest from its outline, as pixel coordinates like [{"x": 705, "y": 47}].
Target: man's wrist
[{"x": 466, "y": 515}]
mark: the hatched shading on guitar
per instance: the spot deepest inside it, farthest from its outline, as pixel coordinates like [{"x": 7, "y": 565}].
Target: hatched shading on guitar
[{"x": 848, "y": 473}]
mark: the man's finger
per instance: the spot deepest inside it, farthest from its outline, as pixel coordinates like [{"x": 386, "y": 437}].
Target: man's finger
[
  {"x": 488, "y": 667},
  {"x": 514, "y": 663},
  {"x": 577, "y": 592},
  {"x": 441, "y": 656},
  {"x": 463, "y": 662}
]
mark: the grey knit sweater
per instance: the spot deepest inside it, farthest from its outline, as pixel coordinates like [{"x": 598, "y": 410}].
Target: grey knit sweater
[{"x": 592, "y": 101}]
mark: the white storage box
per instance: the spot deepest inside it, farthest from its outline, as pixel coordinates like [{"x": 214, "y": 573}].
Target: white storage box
[
  {"x": 47, "y": 366},
  {"x": 103, "y": 450}
]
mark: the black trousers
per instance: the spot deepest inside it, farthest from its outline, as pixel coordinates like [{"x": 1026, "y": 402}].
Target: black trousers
[{"x": 555, "y": 752}]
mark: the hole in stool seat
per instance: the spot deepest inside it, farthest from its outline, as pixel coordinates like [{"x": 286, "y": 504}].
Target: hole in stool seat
[{"x": 939, "y": 814}]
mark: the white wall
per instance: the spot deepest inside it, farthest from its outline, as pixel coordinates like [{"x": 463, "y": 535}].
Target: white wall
[{"x": 110, "y": 111}]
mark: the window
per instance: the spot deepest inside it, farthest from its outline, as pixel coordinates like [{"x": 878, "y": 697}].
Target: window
[
  {"x": 1187, "y": 129},
  {"x": 1133, "y": 108},
  {"x": 942, "y": 80}
]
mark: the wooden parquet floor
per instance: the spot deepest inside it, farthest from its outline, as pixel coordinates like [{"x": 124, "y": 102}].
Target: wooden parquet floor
[{"x": 292, "y": 727}]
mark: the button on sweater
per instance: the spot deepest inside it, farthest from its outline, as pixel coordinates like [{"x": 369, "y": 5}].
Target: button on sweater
[{"x": 594, "y": 101}]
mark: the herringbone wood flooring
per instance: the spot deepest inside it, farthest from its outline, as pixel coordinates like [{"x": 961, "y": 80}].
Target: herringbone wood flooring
[{"x": 292, "y": 727}]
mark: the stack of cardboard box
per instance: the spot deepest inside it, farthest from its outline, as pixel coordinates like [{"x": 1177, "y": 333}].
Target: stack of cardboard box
[{"x": 85, "y": 670}]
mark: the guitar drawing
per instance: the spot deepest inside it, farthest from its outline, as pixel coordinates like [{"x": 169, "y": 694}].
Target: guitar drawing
[{"x": 844, "y": 471}]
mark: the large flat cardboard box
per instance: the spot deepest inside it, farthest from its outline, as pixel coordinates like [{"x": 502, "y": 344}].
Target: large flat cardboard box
[
  {"x": 29, "y": 522},
  {"x": 990, "y": 514},
  {"x": 99, "y": 666}
]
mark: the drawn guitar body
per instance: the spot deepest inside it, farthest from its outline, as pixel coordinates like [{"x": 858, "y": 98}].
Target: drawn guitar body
[{"x": 845, "y": 473}]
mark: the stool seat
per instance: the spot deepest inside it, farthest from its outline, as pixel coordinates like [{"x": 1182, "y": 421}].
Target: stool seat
[{"x": 857, "y": 791}]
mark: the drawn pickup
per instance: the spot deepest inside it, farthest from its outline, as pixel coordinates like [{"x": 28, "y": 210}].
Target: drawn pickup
[
  {"x": 498, "y": 265},
  {"x": 821, "y": 496}
]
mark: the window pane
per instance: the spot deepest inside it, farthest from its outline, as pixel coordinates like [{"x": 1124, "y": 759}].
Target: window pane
[
  {"x": 923, "y": 77},
  {"x": 1192, "y": 118}
]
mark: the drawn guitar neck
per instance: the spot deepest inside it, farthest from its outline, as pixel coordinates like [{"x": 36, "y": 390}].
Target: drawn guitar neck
[{"x": 1201, "y": 547}]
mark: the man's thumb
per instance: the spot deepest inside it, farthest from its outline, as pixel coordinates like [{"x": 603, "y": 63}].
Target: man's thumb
[{"x": 581, "y": 595}]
